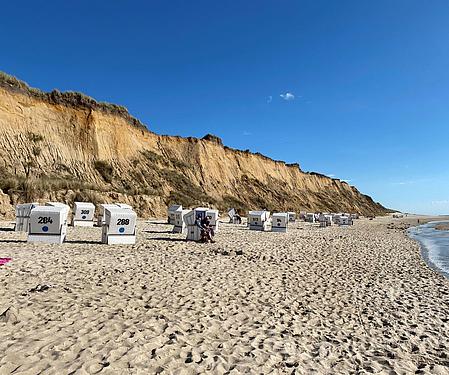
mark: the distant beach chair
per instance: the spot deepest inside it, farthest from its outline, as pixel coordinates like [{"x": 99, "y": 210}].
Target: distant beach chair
[
  {"x": 171, "y": 212},
  {"x": 344, "y": 220},
  {"x": 213, "y": 216},
  {"x": 191, "y": 218},
  {"x": 258, "y": 220},
  {"x": 180, "y": 224},
  {"x": 279, "y": 222},
  {"x": 291, "y": 216},
  {"x": 234, "y": 218},
  {"x": 83, "y": 214},
  {"x": 322, "y": 220},
  {"x": 309, "y": 217}
]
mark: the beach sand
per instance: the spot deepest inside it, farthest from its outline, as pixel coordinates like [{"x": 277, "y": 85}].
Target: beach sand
[
  {"x": 336, "y": 300},
  {"x": 442, "y": 226}
]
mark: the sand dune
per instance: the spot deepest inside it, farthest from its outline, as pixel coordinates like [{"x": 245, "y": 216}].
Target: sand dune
[{"x": 325, "y": 301}]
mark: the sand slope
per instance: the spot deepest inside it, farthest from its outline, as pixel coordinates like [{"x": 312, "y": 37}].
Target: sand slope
[{"x": 325, "y": 301}]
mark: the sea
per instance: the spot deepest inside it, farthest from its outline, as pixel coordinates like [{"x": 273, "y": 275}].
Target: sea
[{"x": 434, "y": 245}]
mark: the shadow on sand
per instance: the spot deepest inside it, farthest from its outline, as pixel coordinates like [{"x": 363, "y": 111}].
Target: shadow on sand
[
  {"x": 157, "y": 231},
  {"x": 157, "y": 223},
  {"x": 83, "y": 242},
  {"x": 167, "y": 239},
  {"x": 6, "y": 229}
]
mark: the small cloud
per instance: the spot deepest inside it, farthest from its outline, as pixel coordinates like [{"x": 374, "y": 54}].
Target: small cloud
[
  {"x": 270, "y": 99},
  {"x": 331, "y": 175},
  {"x": 288, "y": 96},
  {"x": 402, "y": 183},
  {"x": 246, "y": 133},
  {"x": 407, "y": 182}
]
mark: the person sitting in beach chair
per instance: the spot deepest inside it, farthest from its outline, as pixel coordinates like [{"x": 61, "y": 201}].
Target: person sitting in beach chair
[
  {"x": 237, "y": 219},
  {"x": 207, "y": 231}
]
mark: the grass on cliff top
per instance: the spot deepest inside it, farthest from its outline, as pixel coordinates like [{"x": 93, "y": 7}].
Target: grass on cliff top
[{"x": 68, "y": 98}]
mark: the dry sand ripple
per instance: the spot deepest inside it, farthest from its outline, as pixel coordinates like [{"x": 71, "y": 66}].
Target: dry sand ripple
[{"x": 334, "y": 300}]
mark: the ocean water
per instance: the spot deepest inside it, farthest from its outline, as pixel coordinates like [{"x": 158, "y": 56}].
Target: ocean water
[{"x": 434, "y": 245}]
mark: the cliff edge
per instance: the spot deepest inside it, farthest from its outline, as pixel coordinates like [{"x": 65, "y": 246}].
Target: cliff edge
[{"x": 67, "y": 146}]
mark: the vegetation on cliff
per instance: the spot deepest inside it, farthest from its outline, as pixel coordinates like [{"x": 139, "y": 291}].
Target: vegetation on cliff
[
  {"x": 69, "y": 98},
  {"x": 52, "y": 148}
]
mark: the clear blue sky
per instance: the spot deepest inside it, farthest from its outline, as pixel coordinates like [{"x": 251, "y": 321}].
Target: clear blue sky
[{"x": 365, "y": 84}]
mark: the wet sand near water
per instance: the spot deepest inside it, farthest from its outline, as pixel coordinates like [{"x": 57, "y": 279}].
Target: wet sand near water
[{"x": 442, "y": 226}]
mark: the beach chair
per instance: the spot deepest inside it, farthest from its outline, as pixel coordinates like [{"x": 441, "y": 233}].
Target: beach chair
[
  {"x": 171, "y": 212},
  {"x": 322, "y": 220},
  {"x": 258, "y": 220},
  {"x": 48, "y": 224},
  {"x": 279, "y": 222},
  {"x": 309, "y": 217},
  {"x": 291, "y": 216},
  {"x": 83, "y": 214},
  {"x": 193, "y": 231},
  {"x": 119, "y": 226},
  {"x": 180, "y": 224},
  {"x": 23, "y": 212},
  {"x": 213, "y": 216}
]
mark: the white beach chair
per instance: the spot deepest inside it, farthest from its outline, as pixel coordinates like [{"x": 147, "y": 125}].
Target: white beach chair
[
  {"x": 279, "y": 222},
  {"x": 83, "y": 214},
  {"x": 48, "y": 224},
  {"x": 258, "y": 220},
  {"x": 171, "y": 212},
  {"x": 23, "y": 212},
  {"x": 119, "y": 226}
]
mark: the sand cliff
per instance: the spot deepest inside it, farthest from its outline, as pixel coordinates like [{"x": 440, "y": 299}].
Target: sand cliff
[{"x": 67, "y": 146}]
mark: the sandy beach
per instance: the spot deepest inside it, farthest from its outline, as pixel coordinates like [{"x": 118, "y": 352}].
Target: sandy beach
[{"x": 343, "y": 300}]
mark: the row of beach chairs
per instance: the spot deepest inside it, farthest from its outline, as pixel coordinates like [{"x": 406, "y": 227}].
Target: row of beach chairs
[
  {"x": 184, "y": 220},
  {"x": 48, "y": 223}
]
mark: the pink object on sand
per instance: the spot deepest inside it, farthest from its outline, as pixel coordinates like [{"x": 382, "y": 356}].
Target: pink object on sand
[{"x": 4, "y": 261}]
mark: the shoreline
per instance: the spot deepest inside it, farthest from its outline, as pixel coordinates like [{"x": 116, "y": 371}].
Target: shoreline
[
  {"x": 427, "y": 247},
  {"x": 314, "y": 300}
]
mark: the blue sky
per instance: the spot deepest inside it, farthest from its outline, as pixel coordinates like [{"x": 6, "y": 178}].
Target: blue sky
[{"x": 358, "y": 90}]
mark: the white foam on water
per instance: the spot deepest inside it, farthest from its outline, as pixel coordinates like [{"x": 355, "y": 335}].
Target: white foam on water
[{"x": 434, "y": 245}]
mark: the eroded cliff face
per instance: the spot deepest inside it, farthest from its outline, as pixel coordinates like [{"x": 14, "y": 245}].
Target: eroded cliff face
[{"x": 61, "y": 150}]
